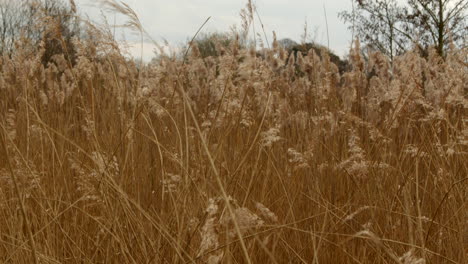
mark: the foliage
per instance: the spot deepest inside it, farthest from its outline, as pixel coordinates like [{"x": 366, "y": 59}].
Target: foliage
[
  {"x": 287, "y": 43},
  {"x": 213, "y": 44},
  {"x": 320, "y": 51}
]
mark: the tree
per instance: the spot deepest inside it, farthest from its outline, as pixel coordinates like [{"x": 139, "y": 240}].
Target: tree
[
  {"x": 392, "y": 28},
  {"x": 66, "y": 27},
  {"x": 437, "y": 22},
  {"x": 319, "y": 50},
  {"x": 11, "y": 19},
  {"x": 377, "y": 24},
  {"x": 212, "y": 44},
  {"x": 52, "y": 21},
  {"x": 287, "y": 43},
  {"x": 207, "y": 43}
]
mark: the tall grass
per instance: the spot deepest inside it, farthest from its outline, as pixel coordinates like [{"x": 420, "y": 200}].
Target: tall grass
[{"x": 237, "y": 158}]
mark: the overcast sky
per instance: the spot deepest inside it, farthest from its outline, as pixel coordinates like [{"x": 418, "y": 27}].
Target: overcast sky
[{"x": 177, "y": 20}]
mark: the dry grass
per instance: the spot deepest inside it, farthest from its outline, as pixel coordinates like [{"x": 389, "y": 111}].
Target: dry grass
[{"x": 231, "y": 159}]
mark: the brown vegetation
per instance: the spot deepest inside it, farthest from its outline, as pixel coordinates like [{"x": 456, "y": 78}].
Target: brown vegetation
[{"x": 235, "y": 158}]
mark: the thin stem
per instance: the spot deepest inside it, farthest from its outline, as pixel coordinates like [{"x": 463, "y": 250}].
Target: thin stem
[{"x": 20, "y": 199}]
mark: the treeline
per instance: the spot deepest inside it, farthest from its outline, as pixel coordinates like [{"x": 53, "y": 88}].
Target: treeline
[
  {"x": 387, "y": 26},
  {"x": 49, "y": 24}
]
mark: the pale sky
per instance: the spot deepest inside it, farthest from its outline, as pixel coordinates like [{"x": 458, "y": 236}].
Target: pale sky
[{"x": 177, "y": 20}]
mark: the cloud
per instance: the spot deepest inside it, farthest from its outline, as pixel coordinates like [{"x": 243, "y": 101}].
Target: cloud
[
  {"x": 137, "y": 49},
  {"x": 178, "y": 20},
  {"x": 147, "y": 49}
]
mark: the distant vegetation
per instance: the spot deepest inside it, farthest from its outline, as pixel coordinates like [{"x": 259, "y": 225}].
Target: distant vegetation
[
  {"x": 30, "y": 21},
  {"x": 393, "y": 27}
]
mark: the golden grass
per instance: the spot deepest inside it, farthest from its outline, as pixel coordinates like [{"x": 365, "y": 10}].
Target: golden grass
[{"x": 238, "y": 158}]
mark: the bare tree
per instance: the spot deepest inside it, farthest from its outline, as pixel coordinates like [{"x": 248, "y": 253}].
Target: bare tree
[
  {"x": 25, "y": 19},
  {"x": 437, "y": 22},
  {"x": 11, "y": 15},
  {"x": 392, "y": 28}
]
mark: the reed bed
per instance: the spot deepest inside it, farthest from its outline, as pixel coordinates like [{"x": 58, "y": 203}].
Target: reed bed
[{"x": 247, "y": 157}]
